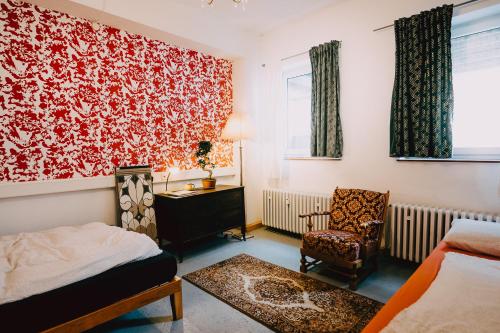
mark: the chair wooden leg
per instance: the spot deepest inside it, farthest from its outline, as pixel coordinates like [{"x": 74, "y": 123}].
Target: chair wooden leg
[
  {"x": 303, "y": 267},
  {"x": 176, "y": 303},
  {"x": 353, "y": 281}
]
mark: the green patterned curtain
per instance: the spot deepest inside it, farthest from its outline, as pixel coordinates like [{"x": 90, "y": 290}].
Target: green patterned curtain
[
  {"x": 326, "y": 130},
  {"x": 422, "y": 99}
]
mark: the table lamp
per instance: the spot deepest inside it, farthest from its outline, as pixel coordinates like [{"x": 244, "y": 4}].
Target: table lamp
[{"x": 170, "y": 170}]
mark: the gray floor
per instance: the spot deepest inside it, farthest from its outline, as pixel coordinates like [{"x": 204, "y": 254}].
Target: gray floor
[{"x": 204, "y": 313}]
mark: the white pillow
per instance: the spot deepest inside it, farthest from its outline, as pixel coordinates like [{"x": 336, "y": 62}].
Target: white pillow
[{"x": 475, "y": 236}]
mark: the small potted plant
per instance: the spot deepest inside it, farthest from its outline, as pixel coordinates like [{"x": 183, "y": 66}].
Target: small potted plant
[{"x": 204, "y": 148}]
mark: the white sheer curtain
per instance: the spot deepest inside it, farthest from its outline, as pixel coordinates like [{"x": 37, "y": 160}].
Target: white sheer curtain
[{"x": 271, "y": 103}]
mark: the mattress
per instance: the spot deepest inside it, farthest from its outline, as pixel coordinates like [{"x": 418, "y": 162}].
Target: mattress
[
  {"x": 415, "y": 287},
  {"x": 32, "y": 263},
  {"x": 43, "y": 311}
]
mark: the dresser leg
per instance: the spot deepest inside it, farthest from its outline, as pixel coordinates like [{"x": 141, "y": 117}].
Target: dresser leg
[{"x": 244, "y": 232}]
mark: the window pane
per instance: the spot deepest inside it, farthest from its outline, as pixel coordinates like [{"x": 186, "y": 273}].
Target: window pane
[
  {"x": 476, "y": 82},
  {"x": 299, "y": 114}
]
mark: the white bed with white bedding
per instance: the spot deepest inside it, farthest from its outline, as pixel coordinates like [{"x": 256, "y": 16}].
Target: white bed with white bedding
[
  {"x": 464, "y": 297},
  {"x": 36, "y": 262}
]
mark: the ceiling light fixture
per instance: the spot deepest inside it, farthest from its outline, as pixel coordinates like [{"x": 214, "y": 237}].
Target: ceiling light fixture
[{"x": 236, "y": 3}]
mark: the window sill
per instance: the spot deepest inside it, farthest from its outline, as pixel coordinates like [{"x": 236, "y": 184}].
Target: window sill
[
  {"x": 307, "y": 158},
  {"x": 453, "y": 159}
]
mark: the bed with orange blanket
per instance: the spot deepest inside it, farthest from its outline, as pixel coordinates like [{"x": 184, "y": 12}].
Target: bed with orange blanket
[{"x": 415, "y": 287}]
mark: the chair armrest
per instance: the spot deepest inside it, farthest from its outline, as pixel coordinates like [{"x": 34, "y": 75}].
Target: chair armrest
[
  {"x": 309, "y": 218},
  {"x": 314, "y": 214},
  {"x": 367, "y": 223},
  {"x": 371, "y": 229}
]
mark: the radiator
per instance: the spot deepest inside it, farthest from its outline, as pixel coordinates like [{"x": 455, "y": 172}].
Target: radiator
[
  {"x": 282, "y": 209},
  {"x": 415, "y": 230}
]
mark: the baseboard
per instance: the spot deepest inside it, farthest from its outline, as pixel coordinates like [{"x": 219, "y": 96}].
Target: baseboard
[{"x": 253, "y": 226}]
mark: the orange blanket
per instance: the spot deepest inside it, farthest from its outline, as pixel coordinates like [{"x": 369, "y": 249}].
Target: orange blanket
[{"x": 416, "y": 285}]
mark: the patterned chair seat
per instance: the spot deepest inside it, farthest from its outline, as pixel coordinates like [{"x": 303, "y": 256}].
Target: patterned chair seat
[{"x": 343, "y": 244}]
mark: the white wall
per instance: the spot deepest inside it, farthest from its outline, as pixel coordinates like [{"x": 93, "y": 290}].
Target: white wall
[
  {"x": 367, "y": 73},
  {"x": 30, "y": 213}
]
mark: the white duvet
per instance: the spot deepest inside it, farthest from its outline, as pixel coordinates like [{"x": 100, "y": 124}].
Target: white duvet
[
  {"x": 33, "y": 263},
  {"x": 464, "y": 297}
]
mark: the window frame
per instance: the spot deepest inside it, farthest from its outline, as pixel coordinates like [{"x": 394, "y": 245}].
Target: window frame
[{"x": 476, "y": 153}]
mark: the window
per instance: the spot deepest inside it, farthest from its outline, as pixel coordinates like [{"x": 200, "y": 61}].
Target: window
[
  {"x": 297, "y": 94},
  {"x": 476, "y": 82},
  {"x": 299, "y": 115}
]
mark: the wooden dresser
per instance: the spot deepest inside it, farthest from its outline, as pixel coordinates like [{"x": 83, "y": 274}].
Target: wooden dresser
[{"x": 184, "y": 219}]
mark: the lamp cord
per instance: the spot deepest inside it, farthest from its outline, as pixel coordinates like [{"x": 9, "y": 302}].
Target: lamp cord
[{"x": 241, "y": 164}]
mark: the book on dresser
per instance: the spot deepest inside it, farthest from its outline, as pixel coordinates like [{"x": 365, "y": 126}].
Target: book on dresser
[{"x": 184, "y": 218}]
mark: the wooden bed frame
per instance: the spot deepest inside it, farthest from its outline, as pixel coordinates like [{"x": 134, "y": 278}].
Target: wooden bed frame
[{"x": 85, "y": 322}]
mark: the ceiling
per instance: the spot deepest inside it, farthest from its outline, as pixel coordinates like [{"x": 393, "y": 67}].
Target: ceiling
[
  {"x": 231, "y": 31},
  {"x": 259, "y": 16}
]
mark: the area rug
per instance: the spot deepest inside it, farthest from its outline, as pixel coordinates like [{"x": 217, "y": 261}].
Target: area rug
[{"x": 284, "y": 300}]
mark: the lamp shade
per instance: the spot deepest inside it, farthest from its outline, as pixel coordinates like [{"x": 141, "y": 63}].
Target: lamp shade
[{"x": 238, "y": 127}]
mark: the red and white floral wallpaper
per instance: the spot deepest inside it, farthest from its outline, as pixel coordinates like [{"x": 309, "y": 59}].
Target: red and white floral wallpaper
[{"x": 76, "y": 101}]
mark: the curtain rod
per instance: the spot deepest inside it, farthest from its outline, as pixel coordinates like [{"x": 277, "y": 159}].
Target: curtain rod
[
  {"x": 458, "y": 5},
  {"x": 293, "y": 56},
  {"x": 301, "y": 53}
]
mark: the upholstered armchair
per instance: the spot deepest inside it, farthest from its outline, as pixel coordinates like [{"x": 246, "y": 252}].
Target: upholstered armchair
[{"x": 351, "y": 243}]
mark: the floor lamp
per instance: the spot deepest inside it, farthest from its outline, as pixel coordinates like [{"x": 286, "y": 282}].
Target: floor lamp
[{"x": 238, "y": 129}]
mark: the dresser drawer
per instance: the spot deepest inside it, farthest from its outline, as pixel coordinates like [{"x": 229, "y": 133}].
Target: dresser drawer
[
  {"x": 230, "y": 219},
  {"x": 229, "y": 200},
  {"x": 197, "y": 227},
  {"x": 199, "y": 207}
]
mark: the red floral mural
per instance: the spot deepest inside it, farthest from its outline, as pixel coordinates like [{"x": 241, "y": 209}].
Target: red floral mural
[{"x": 77, "y": 99}]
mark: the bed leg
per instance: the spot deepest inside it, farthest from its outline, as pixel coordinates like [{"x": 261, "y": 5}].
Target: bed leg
[{"x": 176, "y": 303}]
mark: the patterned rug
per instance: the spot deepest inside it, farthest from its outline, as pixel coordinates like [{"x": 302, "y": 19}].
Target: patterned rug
[{"x": 284, "y": 300}]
